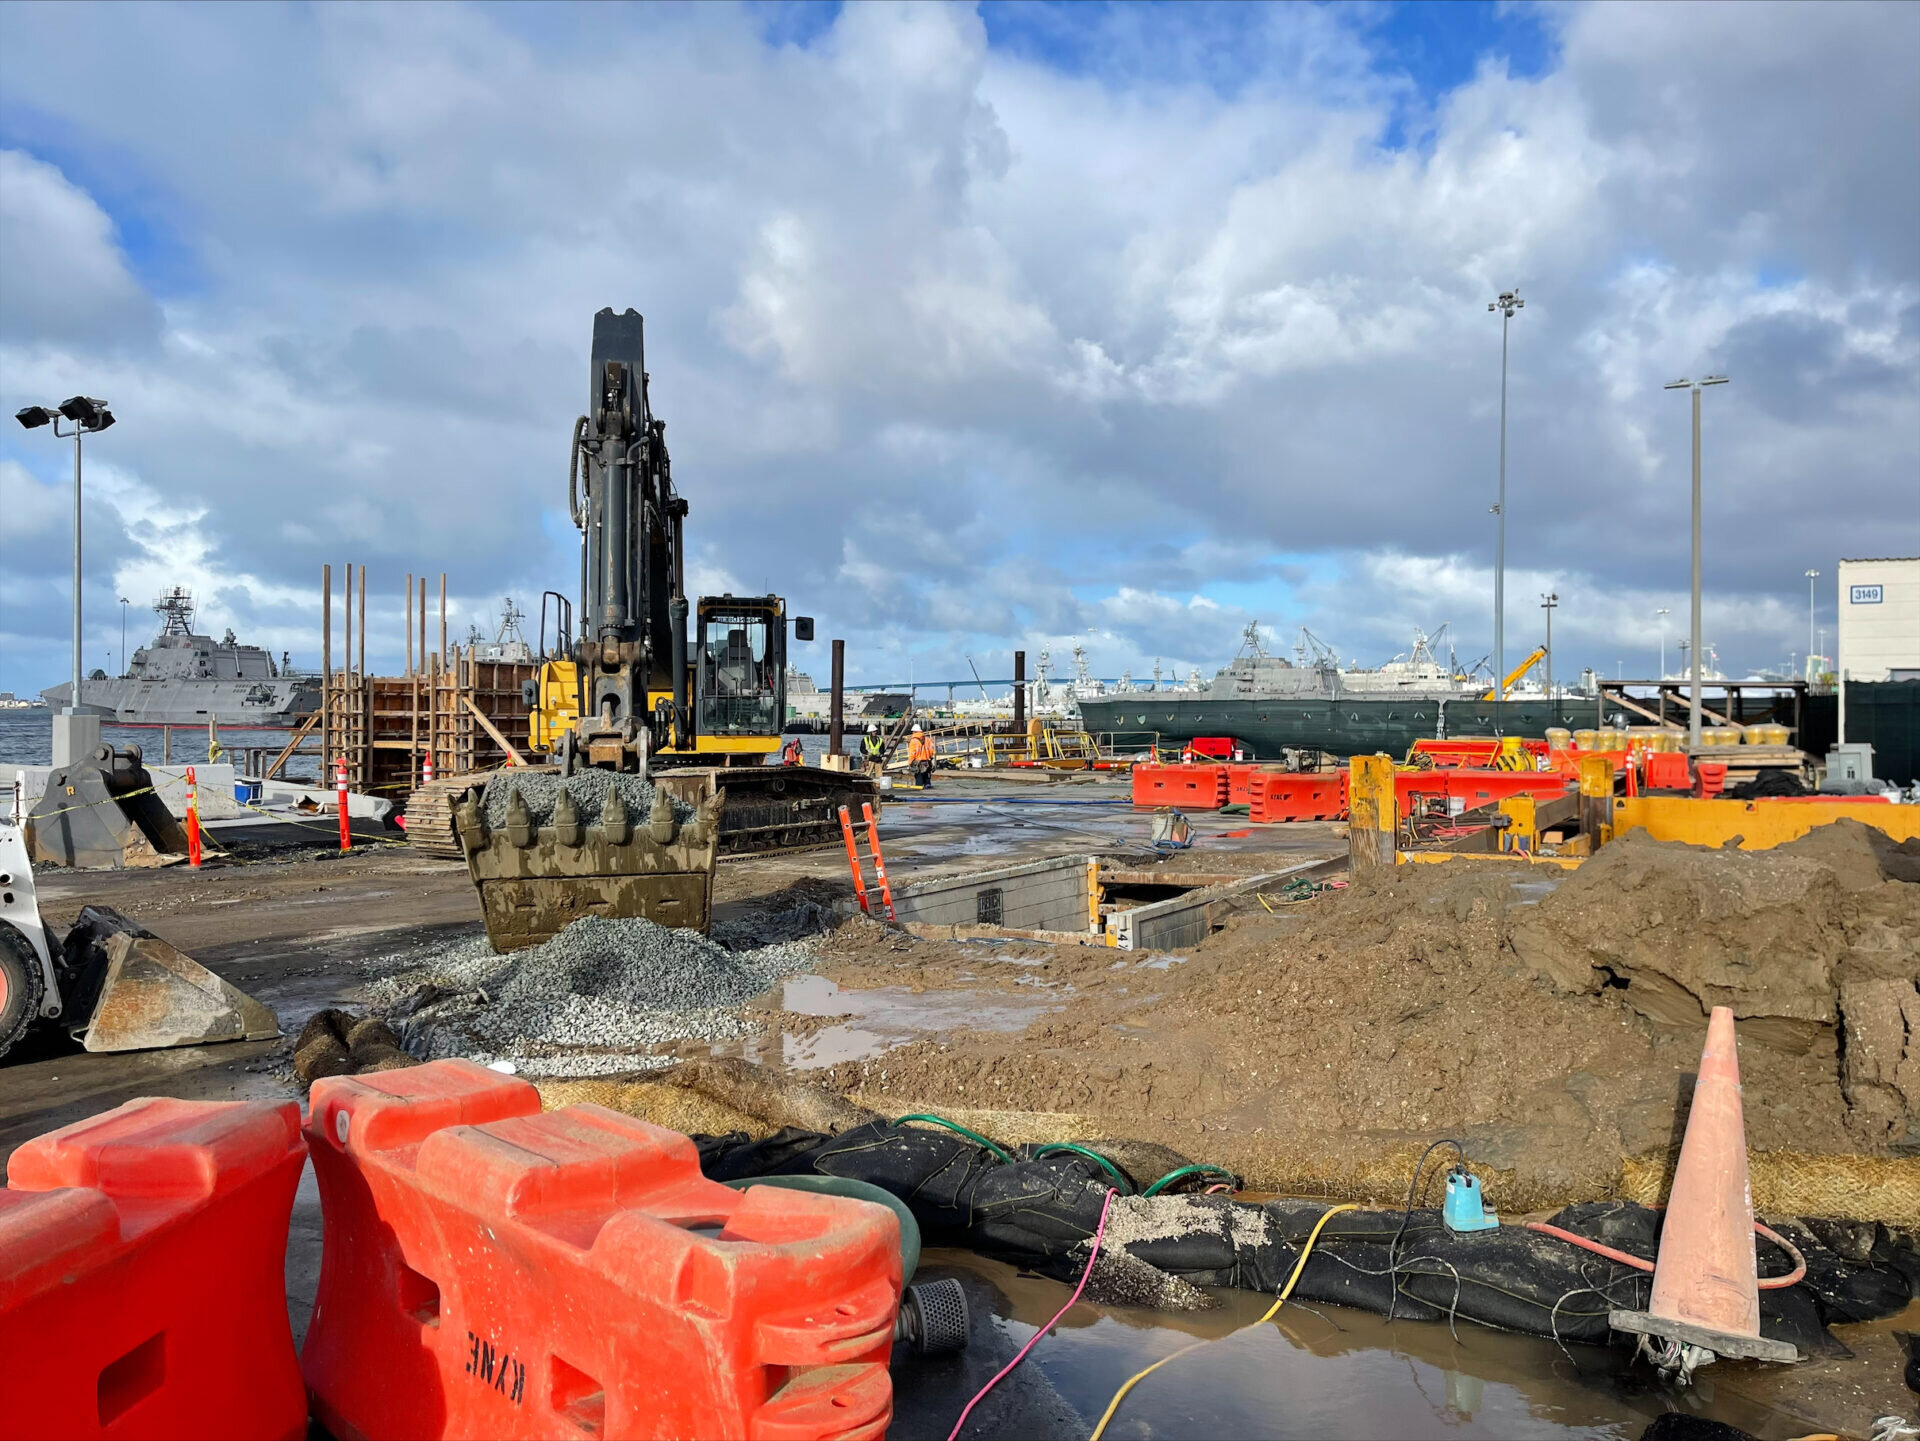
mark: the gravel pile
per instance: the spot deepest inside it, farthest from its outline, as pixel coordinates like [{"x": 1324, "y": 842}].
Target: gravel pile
[
  {"x": 602, "y": 996},
  {"x": 589, "y": 789}
]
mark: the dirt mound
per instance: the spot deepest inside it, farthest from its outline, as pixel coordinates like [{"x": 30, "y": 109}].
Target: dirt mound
[
  {"x": 1551, "y": 1020},
  {"x": 1681, "y": 930},
  {"x": 1860, "y": 856}
]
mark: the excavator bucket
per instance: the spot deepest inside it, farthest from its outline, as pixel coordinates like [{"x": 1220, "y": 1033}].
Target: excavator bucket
[
  {"x": 544, "y": 851},
  {"x": 103, "y": 814},
  {"x": 131, "y": 991}
]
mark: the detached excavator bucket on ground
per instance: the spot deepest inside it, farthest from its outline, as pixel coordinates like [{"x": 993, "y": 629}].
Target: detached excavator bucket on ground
[
  {"x": 128, "y": 990},
  {"x": 103, "y": 814},
  {"x": 544, "y": 851}
]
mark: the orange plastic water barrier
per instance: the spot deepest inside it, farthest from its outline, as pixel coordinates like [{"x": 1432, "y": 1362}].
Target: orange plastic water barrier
[
  {"x": 1310, "y": 796},
  {"x": 1240, "y": 778},
  {"x": 491, "y": 1271},
  {"x": 1666, "y": 771},
  {"x": 142, "y": 1264},
  {"x": 1190, "y": 787}
]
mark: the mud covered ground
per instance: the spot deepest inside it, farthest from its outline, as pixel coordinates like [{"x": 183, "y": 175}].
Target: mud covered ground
[{"x": 1551, "y": 1021}]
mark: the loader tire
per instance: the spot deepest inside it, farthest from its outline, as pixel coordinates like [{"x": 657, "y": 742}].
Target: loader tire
[{"x": 21, "y": 986}]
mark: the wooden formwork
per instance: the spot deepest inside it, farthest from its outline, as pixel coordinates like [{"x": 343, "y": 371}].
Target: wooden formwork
[{"x": 458, "y": 713}]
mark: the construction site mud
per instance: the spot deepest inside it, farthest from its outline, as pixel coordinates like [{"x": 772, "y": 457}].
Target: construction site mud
[{"x": 1314, "y": 1046}]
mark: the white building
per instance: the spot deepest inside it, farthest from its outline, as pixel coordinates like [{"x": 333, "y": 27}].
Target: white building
[{"x": 1879, "y": 627}]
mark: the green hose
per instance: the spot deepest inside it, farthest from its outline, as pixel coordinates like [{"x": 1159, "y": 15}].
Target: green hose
[
  {"x": 959, "y": 1129},
  {"x": 858, "y": 1191},
  {"x": 1119, "y": 1178},
  {"x": 1201, "y": 1168}
]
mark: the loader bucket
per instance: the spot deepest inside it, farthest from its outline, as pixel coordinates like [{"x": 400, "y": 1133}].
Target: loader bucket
[
  {"x": 134, "y": 992},
  {"x": 544, "y": 852},
  {"x": 102, "y": 814}
]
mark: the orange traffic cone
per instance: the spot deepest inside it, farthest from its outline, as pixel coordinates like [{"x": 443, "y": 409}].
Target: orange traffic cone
[{"x": 1706, "y": 1291}]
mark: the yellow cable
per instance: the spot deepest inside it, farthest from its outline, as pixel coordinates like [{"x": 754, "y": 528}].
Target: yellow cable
[{"x": 1272, "y": 1311}]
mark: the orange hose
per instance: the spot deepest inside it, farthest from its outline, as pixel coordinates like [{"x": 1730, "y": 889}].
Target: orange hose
[{"x": 1769, "y": 1283}]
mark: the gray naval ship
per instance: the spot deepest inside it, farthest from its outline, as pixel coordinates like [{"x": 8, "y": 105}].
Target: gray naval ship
[
  {"x": 1313, "y": 703},
  {"x": 180, "y": 678}
]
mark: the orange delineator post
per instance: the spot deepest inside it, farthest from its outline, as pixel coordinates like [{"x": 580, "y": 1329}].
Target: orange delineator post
[
  {"x": 142, "y": 1274},
  {"x": 492, "y": 1271},
  {"x": 340, "y": 798},
  {"x": 853, "y": 860},
  {"x": 879, "y": 864},
  {"x": 1706, "y": 1291},
  {"x": 193, "y": 820}
]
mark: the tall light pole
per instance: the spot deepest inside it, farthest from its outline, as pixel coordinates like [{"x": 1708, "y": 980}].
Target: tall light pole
[
  {"x": 1693, "y": 704},
  {"x": 1508, "y": 302},
  {"x": 124, "y": 603},
  {"x": 1812, "y": 576},
  {"x": 1547, "y": 603},
  {"x": 85, "y": 414}
]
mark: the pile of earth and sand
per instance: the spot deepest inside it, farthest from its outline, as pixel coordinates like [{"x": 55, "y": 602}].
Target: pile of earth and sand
[{"x": 1549, "y": 1021}]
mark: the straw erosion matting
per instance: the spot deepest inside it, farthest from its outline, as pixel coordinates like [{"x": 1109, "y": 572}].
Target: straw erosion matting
[
  {"x": 603, "y": 996},
  {"x": 1551, "y": 1021}
]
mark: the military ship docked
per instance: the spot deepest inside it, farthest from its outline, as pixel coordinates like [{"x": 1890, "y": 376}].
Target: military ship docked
[
  {"x": 1272, "y": 704},
  {"x": 180, "y": 678}
]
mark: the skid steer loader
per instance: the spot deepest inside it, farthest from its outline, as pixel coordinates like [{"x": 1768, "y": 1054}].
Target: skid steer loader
[
  {"x": 114, "y": 985},
  {"x": 691, "y": 720}
]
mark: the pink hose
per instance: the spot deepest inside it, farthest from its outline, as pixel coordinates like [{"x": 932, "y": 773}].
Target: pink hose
[
  {"x": 1770, "y": 1283},
  {"x": 1098, "y": 1232}
]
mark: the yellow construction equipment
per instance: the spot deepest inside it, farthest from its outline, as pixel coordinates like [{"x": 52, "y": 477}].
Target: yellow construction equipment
[
  {"x": 1514, "y": 675},
  {"x": 632, "y": 693}
]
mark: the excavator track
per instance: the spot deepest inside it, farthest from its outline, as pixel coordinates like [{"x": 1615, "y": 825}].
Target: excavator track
[{"x": 428, "y": 819}]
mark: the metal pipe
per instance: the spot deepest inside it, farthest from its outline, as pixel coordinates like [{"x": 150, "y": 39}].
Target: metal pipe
[
  {"x": 443, "y": 617},
  {"x": 1693, "y": 703},
  {"x": 1020, "y": 692},
  {"x": 73, "y": 707},
  {"x": 409, "y": 623},
  {"x": 836, "y": 714},
  {"x": 326, "y": 666}
]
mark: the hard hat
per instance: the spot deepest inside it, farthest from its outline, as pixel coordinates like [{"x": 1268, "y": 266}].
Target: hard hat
[{"x": 916, "y": 730}]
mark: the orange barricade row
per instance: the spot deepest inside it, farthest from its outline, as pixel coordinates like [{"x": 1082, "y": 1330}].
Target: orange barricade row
[
  {"x": 1190, "y": 787},
  {"x": 1309, "y": 796},
  {"x": 491, "y": 1271},
  {"x": 142, "y": 1274}
]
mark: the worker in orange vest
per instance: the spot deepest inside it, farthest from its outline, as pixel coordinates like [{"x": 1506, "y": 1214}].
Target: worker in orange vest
[
  {"x": 790, "y": 752},
  {"x": 920, "y": 757}
]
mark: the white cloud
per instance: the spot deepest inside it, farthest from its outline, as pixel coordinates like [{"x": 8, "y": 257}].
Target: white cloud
[{"x": 963, "y": 352}]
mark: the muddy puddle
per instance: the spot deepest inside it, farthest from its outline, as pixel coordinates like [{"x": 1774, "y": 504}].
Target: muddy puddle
[
  {"x": 1311, "y": 1372},
  {"x": 870, "y": 1022}
]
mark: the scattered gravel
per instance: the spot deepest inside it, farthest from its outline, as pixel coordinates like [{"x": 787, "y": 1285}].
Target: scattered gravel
[
  {"x": 589, "y": 789},
  {"x": 602, "y": 996}
]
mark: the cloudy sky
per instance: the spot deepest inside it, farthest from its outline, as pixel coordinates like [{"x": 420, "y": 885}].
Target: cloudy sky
[{"x": 973, "y": 328}]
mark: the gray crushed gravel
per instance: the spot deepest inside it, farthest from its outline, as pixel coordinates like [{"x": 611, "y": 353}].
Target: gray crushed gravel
[
  {"x": 589, "y": 789},
  {"x": 602, "y": 996}
]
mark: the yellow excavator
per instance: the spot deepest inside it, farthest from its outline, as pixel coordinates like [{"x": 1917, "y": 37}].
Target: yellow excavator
[
  {"x": 694, "y": 719},
  {"x": 1515, "y": 675}
]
